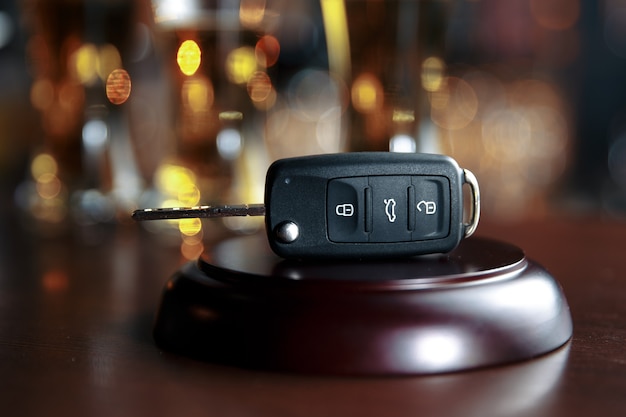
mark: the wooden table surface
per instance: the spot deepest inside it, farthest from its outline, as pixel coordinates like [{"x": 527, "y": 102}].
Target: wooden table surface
[{"x": 76, "y": 321}]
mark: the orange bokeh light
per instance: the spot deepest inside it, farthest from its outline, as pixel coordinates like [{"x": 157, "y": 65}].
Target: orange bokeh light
[
  {"x": 259, "y": 86},
  {"x": 267, "y": 50},
  {"x": 118, "y": 86}
]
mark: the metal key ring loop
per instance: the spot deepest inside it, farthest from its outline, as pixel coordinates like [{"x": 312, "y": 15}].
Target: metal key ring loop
[{"x": 471, "y": 180}]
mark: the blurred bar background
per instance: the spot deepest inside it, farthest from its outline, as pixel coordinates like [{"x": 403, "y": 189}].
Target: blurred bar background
[{"x": 107, "y": 106}]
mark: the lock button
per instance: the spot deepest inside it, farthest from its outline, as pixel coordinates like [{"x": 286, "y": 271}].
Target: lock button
[{"x": 345, "y": 209}]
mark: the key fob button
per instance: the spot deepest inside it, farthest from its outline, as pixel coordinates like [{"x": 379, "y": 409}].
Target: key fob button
[
  {"x": 431, "y": 210},
  {"x": 345, "y": 211},
  {"x": 389, "y": 208}
]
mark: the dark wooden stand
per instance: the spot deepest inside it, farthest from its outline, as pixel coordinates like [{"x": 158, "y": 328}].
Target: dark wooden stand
[{"x": 483, "y": 304}]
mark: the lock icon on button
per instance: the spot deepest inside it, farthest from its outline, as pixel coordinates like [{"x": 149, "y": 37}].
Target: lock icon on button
[{"x": 344, "y": 210}]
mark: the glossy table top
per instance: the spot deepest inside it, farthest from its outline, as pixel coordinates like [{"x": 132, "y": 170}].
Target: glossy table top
[{"x": 76, "y": 322}]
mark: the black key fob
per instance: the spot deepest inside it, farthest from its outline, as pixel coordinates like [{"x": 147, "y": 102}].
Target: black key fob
[{"x": 371, "y": 204}]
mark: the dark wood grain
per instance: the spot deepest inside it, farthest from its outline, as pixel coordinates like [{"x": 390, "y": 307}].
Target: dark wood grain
[{"x": 76, "y": 321}]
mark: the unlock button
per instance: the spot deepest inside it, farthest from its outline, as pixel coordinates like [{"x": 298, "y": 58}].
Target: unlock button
[{"x": 431, "y": 215}]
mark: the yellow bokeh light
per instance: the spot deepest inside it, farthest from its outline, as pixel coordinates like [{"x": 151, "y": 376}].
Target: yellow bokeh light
[
  {"x": 367, "y": 94},
  {"x": 189, "y": 195},
  {"x": 197, "y": 94},
  {"x": 432, "y": 73},
  {"x": 85, "y": 63},
  {"x": 108, "y": 60},
  {"x": 190, "y": 227},
  {"x": 170, "y": 179},
  {"x": 230, "y": 116},
  {"x": 43, "y": 164},
  {"x": 189, "y": 57},
  {"x": 403, "y": 116},
  {"x": 241, "y": 64},
  {"x": 118, "y": 86},
  {"x": 90, "y": 62}
]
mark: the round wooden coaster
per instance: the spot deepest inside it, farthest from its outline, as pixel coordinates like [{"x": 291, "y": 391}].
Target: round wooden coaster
[{"x": 483, "y": 304}]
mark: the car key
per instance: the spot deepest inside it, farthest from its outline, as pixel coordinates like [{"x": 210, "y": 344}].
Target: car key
[{"x": 357, "y": 205}]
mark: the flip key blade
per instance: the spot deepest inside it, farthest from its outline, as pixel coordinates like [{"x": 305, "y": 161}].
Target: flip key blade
[{"x": 199, "y": 211}]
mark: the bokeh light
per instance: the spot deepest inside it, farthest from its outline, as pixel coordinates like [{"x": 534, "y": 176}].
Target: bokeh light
[
  {"x": 454, "y": 105},
  {"x": 188, "y": 195},
  {"x": 267, "y": 51},
  {"x": 168, "y": 11},
  {"x": 230, "y": 116},
  {"x": 42, "y": 94},
  {"x": 89, "y": 63},
  {"x": 48, "y": 186},
  {"x": 517, "y": 142},
  {"x": 191, "y": 251},
  {"x": 259, "y": 87},
  {"x": 118, "y": 86},
  {"x": 109, "y": 59},
  {"x": 55, "y": 281},
  {"x": 95, "y": 134},
  {"x": 45, "y": 197},
  {"x": 241, "y": 64},
  {"x": 190, "y": 227},
  {"x": 251, "y": 12},
  {"x": 403, "y": 116},
  {"x": 43, "y": 164},
  {"x": 189, "y": 57},
  {"x": 367, "y": 93},
  {"x": 171, "y": 178},
  {"x": 313, "y": 92},
  {"x": 197, "y": 94},
  {"x": 229, "y": 143},
  {"x": 402, "y": 143},
  {"x": 85, "y": 63},
  {"x": 433, "y": 71}
]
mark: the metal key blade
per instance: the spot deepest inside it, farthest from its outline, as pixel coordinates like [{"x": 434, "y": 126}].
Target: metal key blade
[{"x": 199, "y": 211}]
